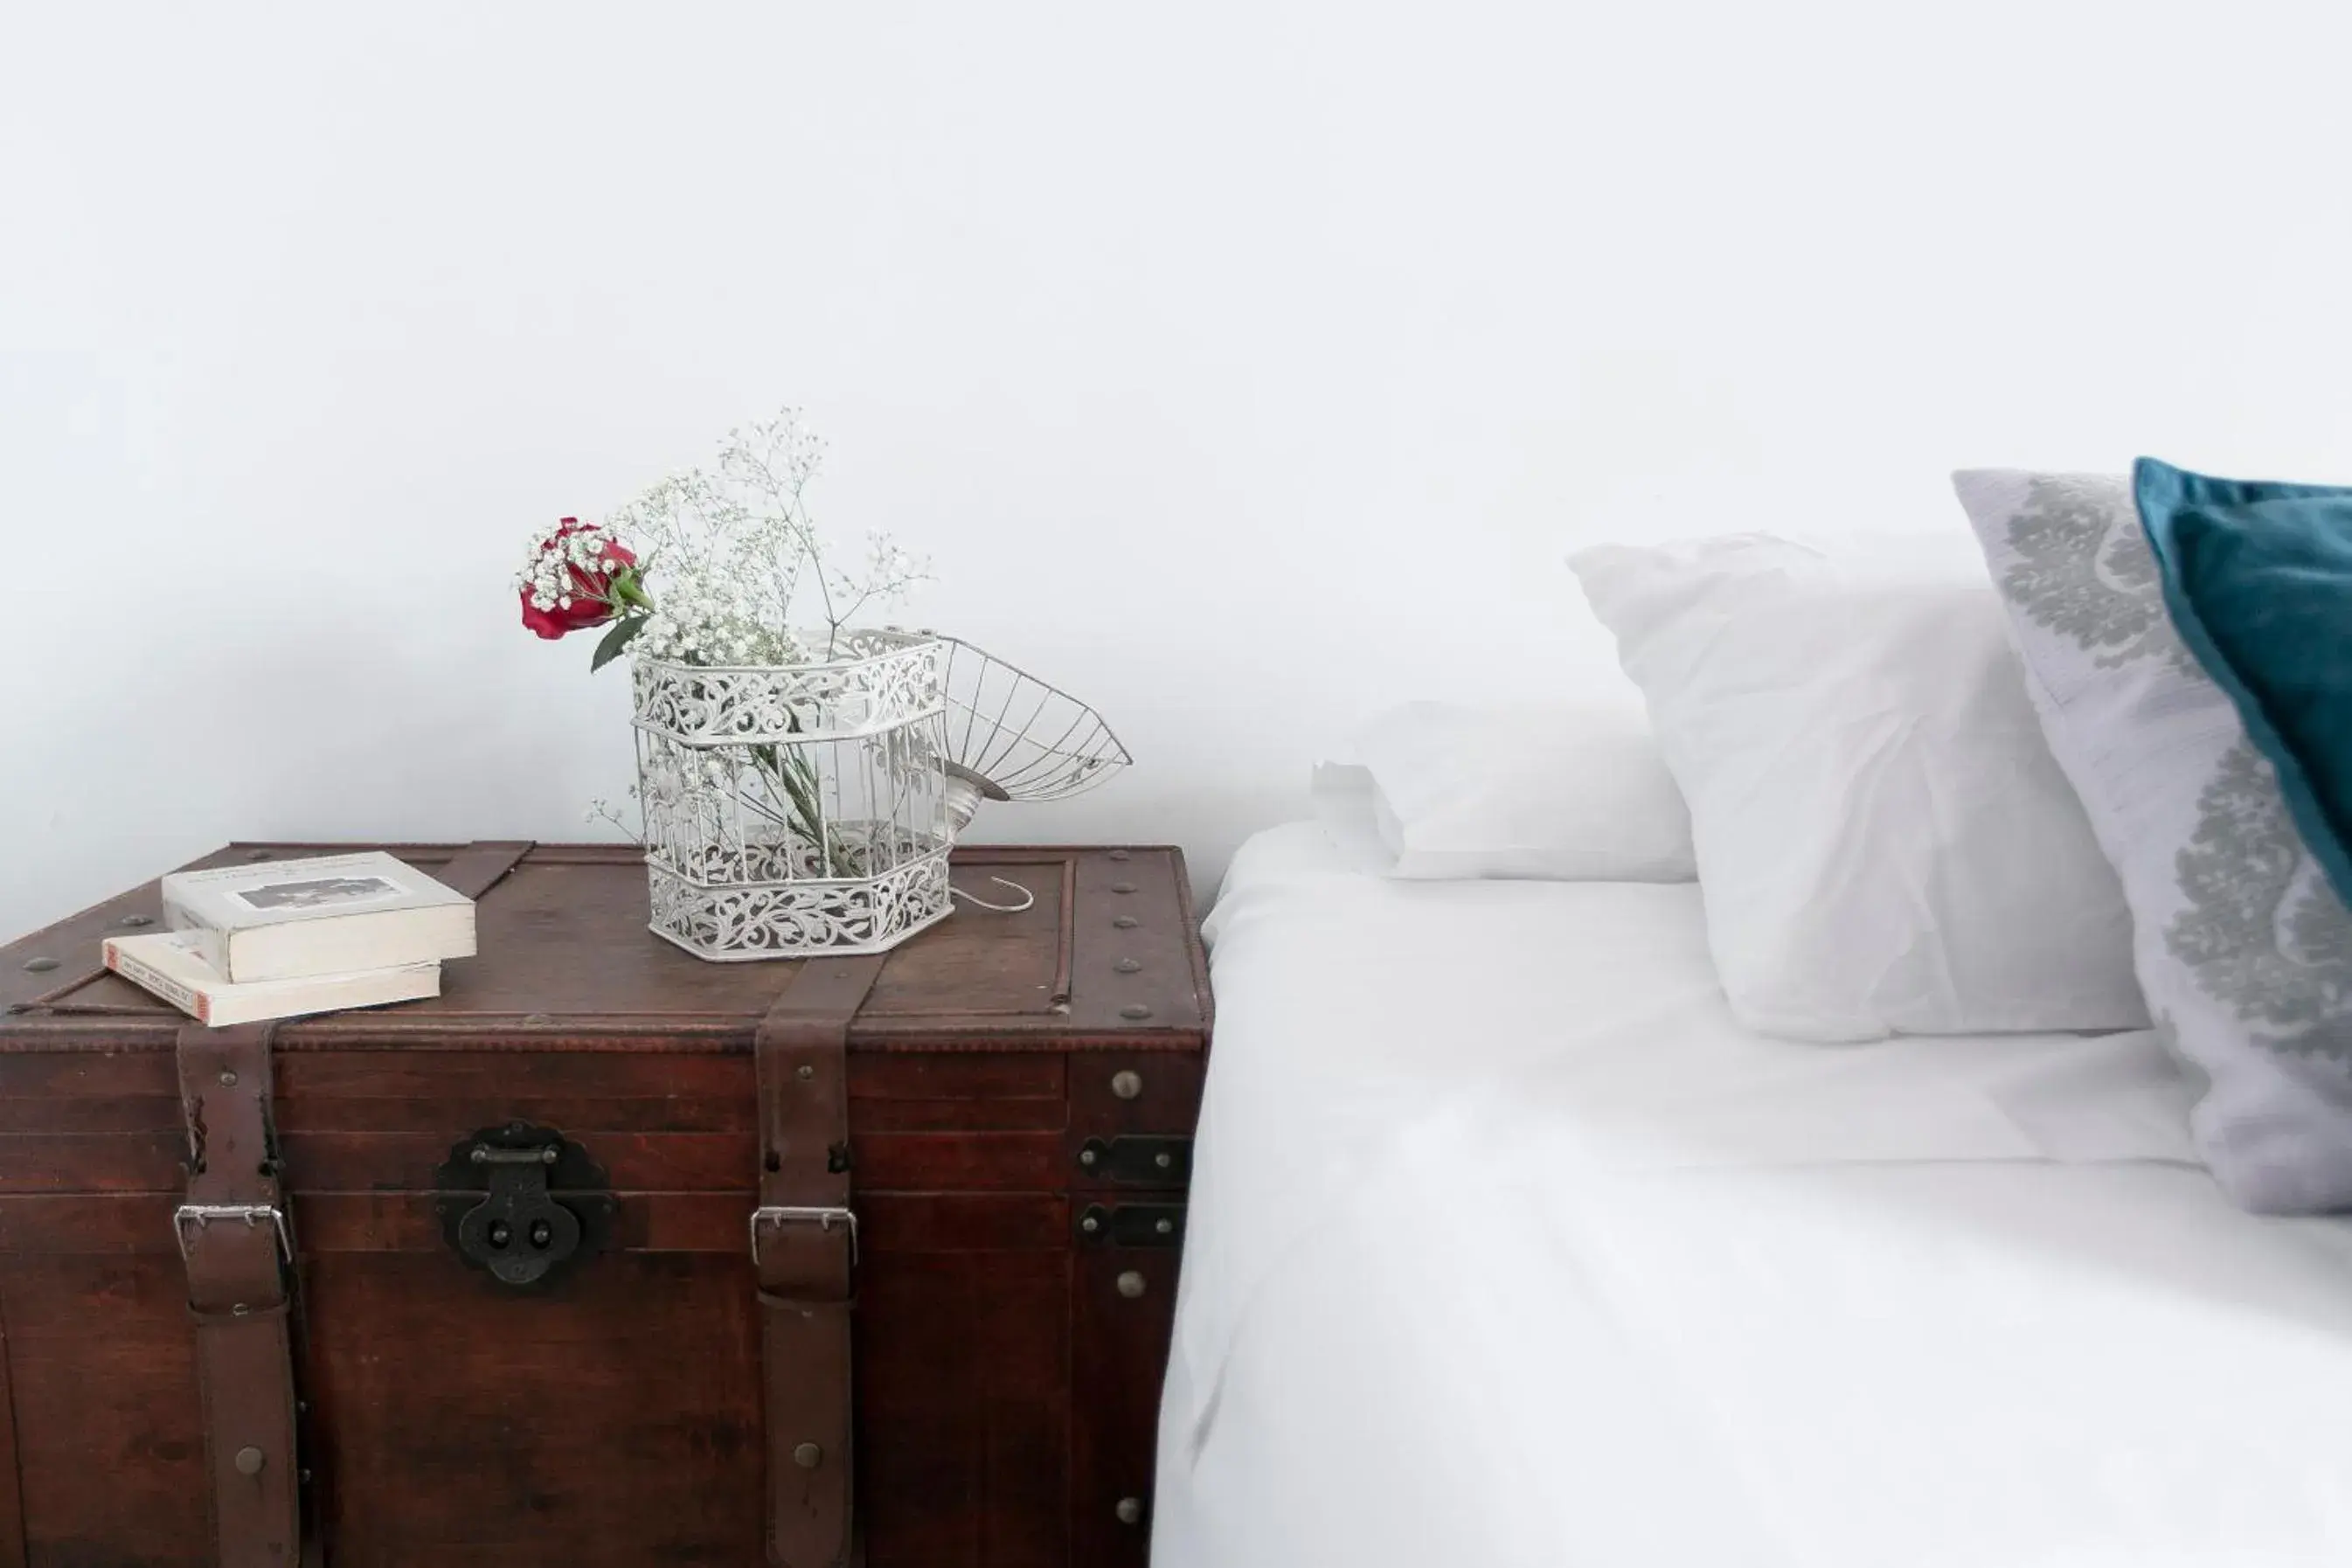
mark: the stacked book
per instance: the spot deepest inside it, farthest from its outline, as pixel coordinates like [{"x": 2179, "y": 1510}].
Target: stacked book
[{"x": 241, "y": 943}]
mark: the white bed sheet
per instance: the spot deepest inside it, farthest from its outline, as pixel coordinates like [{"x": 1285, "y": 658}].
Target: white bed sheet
[{"x": 1508, "y": 1247}]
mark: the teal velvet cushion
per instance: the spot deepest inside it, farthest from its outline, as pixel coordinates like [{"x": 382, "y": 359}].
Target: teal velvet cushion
[{"x": 2257, "y": 578}]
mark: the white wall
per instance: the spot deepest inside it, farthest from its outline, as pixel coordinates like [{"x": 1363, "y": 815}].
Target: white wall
[{"x": 1240, "y": 365}]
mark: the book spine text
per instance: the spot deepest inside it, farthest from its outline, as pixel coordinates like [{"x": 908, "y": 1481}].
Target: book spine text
[{"x": 147, "y": 977}]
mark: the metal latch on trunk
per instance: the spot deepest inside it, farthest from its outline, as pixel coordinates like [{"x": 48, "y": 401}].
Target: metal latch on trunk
[
  {"x": 1132, "y": 1225},
  {"x": 544, "y": 1203},
  {"x": 1137, "y": 1160}
]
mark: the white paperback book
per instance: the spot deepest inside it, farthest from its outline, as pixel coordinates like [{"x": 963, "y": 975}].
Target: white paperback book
[
  {"x": 169, "y": 965},
  {"x": 329, "y": 914}
]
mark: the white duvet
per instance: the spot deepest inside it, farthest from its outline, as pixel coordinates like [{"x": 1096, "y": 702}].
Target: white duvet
[{"x": 1506, "y": 1245}]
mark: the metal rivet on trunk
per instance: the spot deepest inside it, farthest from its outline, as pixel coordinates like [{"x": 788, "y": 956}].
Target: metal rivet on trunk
[
  {"x": 1130, "y": 1510},
  {"x": 1128, "y": 965},
  {"x": 1126, "y": 1085},
  {"x": 1118, "y": 855},
  {"x": 1091, "y": 1224},
  {"x": 1134, "y": 1010},
  {"x": 1087, "y": 1157},
  {"x": 1126, "y": 922},
  {"x": 1122, "y": 887},
  {"x": 808, "y": 1456},
  {"x": 1165, "y": 1227},
  {"x": 228, "y": 1080},
  {"x": 136, "y": 921},
  {"x": 1130, "y": 1284},
  {"x": 249, "y": 1461},
  {"x": 804, "y": 1073},
  {"x": 39, "y": 965}
]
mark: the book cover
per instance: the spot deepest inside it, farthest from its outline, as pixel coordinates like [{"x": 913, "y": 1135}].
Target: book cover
[
  {"x": 281, "y": 920},
  {"x": 171, "y": 965}
]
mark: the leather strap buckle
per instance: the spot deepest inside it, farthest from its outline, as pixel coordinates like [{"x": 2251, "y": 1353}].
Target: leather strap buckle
[
  {"x": 190, "y": 1219},
  {"x": 803, "y": 1242},
  {"x": 777, "y": 1215},
  {"x": 239, "y": 1295}
]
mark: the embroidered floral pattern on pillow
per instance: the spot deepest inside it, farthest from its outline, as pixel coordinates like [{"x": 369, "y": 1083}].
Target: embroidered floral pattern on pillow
[
  {"x": 2082, "y": 576},
  {"x": 2262, "y": 932}
]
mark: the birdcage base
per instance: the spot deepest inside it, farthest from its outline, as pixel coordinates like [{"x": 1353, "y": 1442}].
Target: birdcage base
[{"x": 804, "y": 918}]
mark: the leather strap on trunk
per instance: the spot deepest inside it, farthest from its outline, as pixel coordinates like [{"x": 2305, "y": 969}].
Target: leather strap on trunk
[
  {"x": 12, "y": 1484},
  {"x": 477, "y": 868},
  {"x": 804, "y": 1249},
  {"x": 236, "y": 1241}
]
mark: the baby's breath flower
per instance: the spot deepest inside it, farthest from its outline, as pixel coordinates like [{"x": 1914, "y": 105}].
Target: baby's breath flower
[{"x": 734, "y": 560}]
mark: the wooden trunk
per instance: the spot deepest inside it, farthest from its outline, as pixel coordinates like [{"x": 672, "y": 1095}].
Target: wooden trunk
[{"x": 1015, "y": 1277}]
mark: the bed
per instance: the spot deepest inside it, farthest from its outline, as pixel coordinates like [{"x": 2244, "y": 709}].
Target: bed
[{"x": 1509, "y": 1247}]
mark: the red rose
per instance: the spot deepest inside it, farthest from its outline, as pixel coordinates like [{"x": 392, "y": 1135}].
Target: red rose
[{"x": 571, "y": 585}]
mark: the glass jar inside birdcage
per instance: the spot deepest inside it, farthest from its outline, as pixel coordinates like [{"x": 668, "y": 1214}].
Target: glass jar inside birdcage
[{"x": 796, "y": 811}]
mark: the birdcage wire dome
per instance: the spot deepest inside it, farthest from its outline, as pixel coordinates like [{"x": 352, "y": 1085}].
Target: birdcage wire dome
[{"x": 1011, "y": 736}]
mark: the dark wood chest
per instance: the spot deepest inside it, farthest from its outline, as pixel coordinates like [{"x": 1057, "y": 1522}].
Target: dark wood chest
[{"x": 1019, "y": 1093}]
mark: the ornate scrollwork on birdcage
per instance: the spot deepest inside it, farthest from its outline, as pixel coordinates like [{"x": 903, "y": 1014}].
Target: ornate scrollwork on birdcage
[
  {"x": 878, "y": 679},
  {"x": 801, "y": 919},
  {"x": 797, "y": 810}
]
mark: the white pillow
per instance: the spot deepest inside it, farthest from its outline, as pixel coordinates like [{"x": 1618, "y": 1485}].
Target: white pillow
[
  {"x": 1884, "y": 843},
  {"x": 1455, "y": 792}
]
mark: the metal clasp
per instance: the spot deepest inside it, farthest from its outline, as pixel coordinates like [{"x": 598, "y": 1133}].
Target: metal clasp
[
  {"x": 823, "y": 1218},
  {"x": 188, "y": 1218},
  {"x": 523, "y": 1203}
]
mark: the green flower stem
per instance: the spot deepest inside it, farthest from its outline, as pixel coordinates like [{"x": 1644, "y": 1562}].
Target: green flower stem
[
  {"x": 798, "y": 779},
  {"x": 626, "y": 588}
]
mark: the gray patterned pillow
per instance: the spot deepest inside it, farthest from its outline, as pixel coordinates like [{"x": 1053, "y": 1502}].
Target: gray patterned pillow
[{"x": 2243, "y": 950}]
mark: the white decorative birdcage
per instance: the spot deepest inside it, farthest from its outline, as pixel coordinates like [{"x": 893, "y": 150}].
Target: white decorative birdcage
[{"x": 796, "y": 811}]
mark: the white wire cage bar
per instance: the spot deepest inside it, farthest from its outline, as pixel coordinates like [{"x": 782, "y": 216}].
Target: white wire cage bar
[
  {"x": 796, "y": 810},
  {"x": 1011, "y": 736}
]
